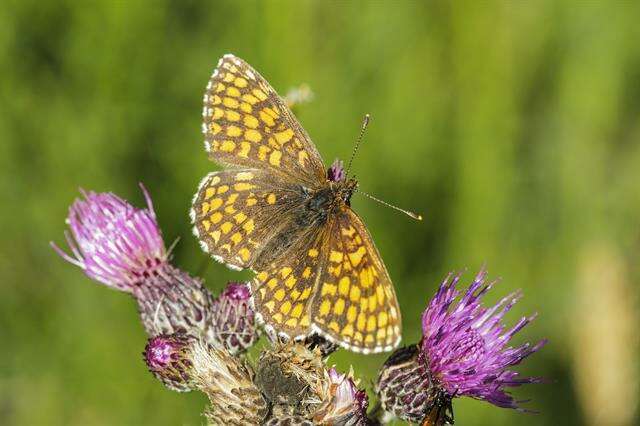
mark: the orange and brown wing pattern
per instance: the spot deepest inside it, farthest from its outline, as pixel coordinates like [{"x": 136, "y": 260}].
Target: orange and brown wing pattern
[
  {"x": 355, "y": 303},
  {"x": 282, "y": 292},
  {"x": 247, "y": 124},
  {"x": 237, "y": 211}
]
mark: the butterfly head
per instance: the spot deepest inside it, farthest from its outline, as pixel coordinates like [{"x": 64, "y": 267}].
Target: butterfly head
[{"x": 343, "y": 187}]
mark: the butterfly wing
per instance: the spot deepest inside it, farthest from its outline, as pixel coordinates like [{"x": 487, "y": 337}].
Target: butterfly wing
[
  {"x": 355, "y": 304},
  {"x": 240, "y": 214},
  {"x": 246, "y": 124}
]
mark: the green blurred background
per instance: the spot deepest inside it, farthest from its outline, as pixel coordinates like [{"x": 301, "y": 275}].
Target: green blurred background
[{"x": 513, "y": 127}]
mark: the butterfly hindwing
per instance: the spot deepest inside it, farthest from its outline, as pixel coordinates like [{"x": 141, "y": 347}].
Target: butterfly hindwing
[
  {"x": 355, "y": 303},
  {"x": 247, "y": 124},
  {"x": 282, "y": 292}
]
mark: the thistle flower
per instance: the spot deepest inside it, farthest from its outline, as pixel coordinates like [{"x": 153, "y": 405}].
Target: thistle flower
[
  {"x": 233, "y": 322},
  {"x": 336, "y": 171},
  {"x": 115, "y": 243},
  {"x": 343, "y": 403},
  {"x": 121, "y": 246},
  {"x": 168, "y": 357},
  {"x": 463, "y": 352}
]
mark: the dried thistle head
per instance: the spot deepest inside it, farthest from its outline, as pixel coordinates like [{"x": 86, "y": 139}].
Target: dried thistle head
[
  {"x": 288, "y": 420},
  {"x": 228, "y": 382},
  {"x": 291, "y": 374}
]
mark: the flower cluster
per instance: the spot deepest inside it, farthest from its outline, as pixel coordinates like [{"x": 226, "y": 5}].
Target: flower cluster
[{"x": 196, "y": 340}]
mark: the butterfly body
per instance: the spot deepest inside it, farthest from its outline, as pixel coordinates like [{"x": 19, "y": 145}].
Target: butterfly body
[{"x": 275, "y": 210}]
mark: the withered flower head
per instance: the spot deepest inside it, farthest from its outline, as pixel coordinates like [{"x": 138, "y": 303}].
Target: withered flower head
[
  {"x": 229, "y": 384},
  {"x": 290, "y": 374}
]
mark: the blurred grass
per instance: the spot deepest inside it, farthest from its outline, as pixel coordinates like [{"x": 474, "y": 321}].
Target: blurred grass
[{"x": 512, "y": 127}]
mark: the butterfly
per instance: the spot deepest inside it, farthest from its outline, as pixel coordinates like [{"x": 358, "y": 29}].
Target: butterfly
[{"x": 274, "y": 209}]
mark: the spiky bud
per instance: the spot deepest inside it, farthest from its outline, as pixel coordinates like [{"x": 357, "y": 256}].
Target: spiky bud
[
  {"x": 172, "y": 301},
  {"x": 168, "y": 357},
  {"x": 233, "y": 322},
  {"x": 405, "y": 387}
]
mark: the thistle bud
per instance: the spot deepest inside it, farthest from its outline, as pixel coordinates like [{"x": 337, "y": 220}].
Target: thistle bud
[
  {"x": 168, "y": 357},
  {"x": 233, "y": 321},
  {"x": 405, "y": 386}
]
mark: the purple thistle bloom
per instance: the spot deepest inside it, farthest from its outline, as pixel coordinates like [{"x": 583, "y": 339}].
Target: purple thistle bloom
[
  {"x": 233, "y": 322},
  {"x": 465, "y": 345},
  {"x": 115, "y": 243},
  {"x": 336, "y": 172},
  {"x": 463, "y": 352},
  {"x": 122, "y": 247}
]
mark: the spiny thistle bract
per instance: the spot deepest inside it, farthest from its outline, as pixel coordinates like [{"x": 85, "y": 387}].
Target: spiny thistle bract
[{"x": 195, "y": 338}]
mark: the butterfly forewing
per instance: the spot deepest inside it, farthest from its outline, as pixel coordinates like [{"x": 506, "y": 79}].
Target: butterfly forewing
[
  {"x": 247, "y": 124},
  {"x": 355, "y": 304},
  {"x": 237, "y": 211}
]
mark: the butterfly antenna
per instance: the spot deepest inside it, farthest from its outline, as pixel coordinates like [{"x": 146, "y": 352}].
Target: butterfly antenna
[
  {"x": 365, "y": 123},
  {"x": 384, "y": 203}
]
